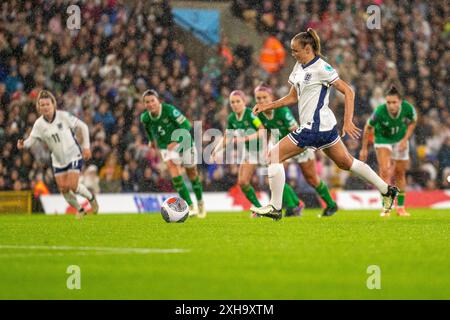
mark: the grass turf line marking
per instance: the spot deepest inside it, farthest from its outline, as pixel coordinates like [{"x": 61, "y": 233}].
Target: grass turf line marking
[
  {"x": 53, "y": 254},
  {"x": 105, "y": 250}
]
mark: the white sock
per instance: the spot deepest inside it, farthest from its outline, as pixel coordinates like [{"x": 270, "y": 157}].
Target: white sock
[
  {"x": 276, "y": 183},
  {"x": 365, "y": 172},
  {"x": 83, "y": 191},
  {"x": 72, "y": 200}
]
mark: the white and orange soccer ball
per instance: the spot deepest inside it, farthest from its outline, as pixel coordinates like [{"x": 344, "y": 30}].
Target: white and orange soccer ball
[{"x": 174, "y": 209}]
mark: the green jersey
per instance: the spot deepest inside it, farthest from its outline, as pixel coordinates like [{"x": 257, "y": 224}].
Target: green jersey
[
  {"x": 160, "y": 128},
  {"x": 388, "y": 129},
  {"x": 248, "y": 123},
  {"x": 281, "y": 119}
]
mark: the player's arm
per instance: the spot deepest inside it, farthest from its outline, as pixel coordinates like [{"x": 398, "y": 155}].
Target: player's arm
[
  {"x": 288, "y": 99},
  {"x": 150, "y": 137},
  {"x": 179, "y": 119},
  {"x": 27, "y": 143},
  {"x": 82, "y": 130},
  {"x": 368, "y": 131},
  {"x": 347, "y": 91},
  {"x": 409, "y": 131},
  {"x": 257, "y": 135},
  {"x": 30, "y": 141},
  {"x": 181, "y": 122},
  {"x": 222, "y": 142}
]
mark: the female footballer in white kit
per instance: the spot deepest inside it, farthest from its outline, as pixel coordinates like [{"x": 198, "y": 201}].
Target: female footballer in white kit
[
  {"x": 57, "y": 129},
  {"x": 310, "y": 81}
]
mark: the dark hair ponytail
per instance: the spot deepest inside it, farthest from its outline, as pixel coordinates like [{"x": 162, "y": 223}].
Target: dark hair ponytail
[
  {"x": 393, "y": 91},
  {"x": 309, "y": 37}
]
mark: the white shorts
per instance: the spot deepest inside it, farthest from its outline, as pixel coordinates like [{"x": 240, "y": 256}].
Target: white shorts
[
  {"x": 187, "y": 159},
  {"x": 303, "y": 157},
  {"x": 74, "y": 166},
  {"x": 394, "y": 148}
]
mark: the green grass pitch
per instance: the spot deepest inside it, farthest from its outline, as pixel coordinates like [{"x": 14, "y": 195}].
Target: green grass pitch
[{"x": 227, "y": 256}]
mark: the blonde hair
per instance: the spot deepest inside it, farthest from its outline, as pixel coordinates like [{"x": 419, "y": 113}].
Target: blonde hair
[
  {"x": 309, "y": 37},
  {"x": 45, "y": 94}
]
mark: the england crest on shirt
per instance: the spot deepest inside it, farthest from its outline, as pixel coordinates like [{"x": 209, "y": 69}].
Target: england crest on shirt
[{"x": 307, "y": 78}]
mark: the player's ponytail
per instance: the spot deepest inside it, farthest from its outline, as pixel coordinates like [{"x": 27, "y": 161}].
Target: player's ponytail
[
  {"x": 45, "y": 94},
  {"x": 316, "y": 43},
  {"x": 309, "y": 37},
  {"x": 393, "y": 91}
]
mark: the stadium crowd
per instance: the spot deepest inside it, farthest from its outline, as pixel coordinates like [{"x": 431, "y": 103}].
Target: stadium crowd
[{"x": 100, "y": 71}]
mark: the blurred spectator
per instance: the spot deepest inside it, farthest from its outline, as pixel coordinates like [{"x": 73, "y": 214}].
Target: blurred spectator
[
  {"x": 110, "y": 175},
  {"x": 272, "y": 55},
  {"x": 105, "y": 117},
  {"x": 225, "y": 51},
  {"x": 149, "y": 182},
  {"x": 127, "y": 184}
]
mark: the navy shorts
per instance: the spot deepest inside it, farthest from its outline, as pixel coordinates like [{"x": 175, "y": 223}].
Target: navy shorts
[
  {"x": 73, "y": 166},
  {"x": 306, "y": 138}
]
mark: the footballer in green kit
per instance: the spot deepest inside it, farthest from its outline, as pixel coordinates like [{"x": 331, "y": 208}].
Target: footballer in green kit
[
  {"x": 283, "y": 120},
  {"x": 392, "y": 124},
  {"x": 247, "y": 128},
  {"x": 160, "y": 121}
]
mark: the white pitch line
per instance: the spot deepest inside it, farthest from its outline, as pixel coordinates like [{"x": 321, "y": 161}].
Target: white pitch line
[
  {"x": 96, "y": 249},
  {"x": 53, "y": 254}
]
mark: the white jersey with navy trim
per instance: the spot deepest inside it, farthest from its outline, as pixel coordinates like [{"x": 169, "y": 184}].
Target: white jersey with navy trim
[
  {"x": 58, "y": 135},
  {"x": 312, "y": 82}
]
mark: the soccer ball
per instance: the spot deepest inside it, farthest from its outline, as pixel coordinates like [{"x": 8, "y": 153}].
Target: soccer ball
[{"x": 174, "y": 209}]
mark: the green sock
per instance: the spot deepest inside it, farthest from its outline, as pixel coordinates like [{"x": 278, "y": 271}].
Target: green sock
[
  {"x": 294, "y": 196},
  {"x": 251, "y": 195},
  {"x": 401, "y": 198},
  {"x": 180, "y": 187},
  {"x": 197, "y": 187},
  {"x": 290, "y": 199},
  {"x": 324, "y": 193}
]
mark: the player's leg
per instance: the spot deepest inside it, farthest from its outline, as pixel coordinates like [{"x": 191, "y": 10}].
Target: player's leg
[
  {"x": 291, "y": 201},
  {"x": 197, "y": 187},
  {"x": 73, "y": 178},
  {"x": 62, "y": 182},
  {"x": 339, "y": 154},
  {"x": 246, "y": 171},
  {"x": 189, "y": 161},
  {"x": 384, "y": 154},
  {"x": 401, "y": 162},
  {"x": 310, "y": 173},
  {"x": 179, "y": 185},
  {"x": 283, "y": 150},
  {"x": 400, "y": 167}
]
